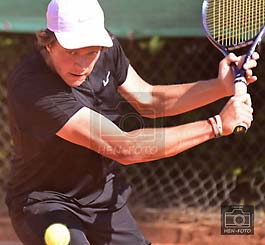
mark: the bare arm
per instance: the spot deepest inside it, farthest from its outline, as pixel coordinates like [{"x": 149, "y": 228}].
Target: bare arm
[
  {"x": 168, "y": 100},
  {"x": 94, "y": 131},
  {"x": 176, "y": 99}
]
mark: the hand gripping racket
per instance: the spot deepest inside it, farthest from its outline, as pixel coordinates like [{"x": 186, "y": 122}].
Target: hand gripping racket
[{"x": 231, "y": 25}]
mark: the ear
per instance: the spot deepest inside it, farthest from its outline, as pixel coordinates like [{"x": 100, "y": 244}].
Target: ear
[{"x": 48, "y": 48}]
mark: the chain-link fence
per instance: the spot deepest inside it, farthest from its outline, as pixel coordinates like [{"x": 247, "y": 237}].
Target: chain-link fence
[{"x": 225, "y": 170}]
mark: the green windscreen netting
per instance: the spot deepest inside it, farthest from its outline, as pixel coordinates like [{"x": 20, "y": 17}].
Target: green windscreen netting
[{"x": 125, "y": 18}]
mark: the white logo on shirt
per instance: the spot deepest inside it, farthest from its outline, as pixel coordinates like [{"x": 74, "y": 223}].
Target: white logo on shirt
[{"x": 105, "y": 83}]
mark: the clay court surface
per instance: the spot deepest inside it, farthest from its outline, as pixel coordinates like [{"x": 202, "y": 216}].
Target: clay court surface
[{"x": 169, "y": 228}]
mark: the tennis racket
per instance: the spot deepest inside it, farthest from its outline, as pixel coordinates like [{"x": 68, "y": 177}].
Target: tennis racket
[{"x": 231, "y": 25}]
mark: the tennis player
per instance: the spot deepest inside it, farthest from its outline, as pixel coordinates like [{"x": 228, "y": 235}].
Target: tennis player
[{"x": 65, "y": 121}]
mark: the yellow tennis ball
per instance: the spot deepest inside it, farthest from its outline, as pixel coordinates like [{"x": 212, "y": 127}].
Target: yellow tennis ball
[{"x": 57, "y": 234}]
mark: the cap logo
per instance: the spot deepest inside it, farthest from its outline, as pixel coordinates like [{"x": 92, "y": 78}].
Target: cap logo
[
  {"x": 82, "y": 19},
  {"x": 78, "y": 24}
]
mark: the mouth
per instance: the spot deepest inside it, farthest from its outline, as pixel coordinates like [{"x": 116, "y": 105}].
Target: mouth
[{"x": 79, "y": 75}]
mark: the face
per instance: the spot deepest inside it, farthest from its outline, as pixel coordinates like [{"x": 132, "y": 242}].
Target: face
[{"x": 73, "y": 65}]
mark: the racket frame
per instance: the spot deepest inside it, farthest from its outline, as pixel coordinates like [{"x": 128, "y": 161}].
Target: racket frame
[{"x": 240, "y": 80}]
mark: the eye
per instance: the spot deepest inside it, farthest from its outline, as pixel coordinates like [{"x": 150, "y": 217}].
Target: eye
[
  {"x": 92, "y": 53},
  {"x": 71, "y": 52}
]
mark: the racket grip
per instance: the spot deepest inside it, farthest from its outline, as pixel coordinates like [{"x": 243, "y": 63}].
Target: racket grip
[
  {"x": 240, "y": 84},
  {"x": 240, "y": 89}
]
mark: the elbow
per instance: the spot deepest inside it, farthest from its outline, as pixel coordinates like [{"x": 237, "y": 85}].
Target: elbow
[
  {"x": 153, "y": 110},
  {"x": 154, "y": 107},
  {"x": 149, "y": 110},
  {"x": 145, "y": 104},
  {"x": 148, "y": 115}
]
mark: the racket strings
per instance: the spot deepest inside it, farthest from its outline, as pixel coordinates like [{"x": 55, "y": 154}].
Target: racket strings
[{"x": 232, "y": 22}]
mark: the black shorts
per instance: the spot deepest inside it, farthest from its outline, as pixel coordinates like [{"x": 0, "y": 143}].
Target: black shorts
[
  {"x": 117, "y": 228},
  {"x": 104, "y": 220}
]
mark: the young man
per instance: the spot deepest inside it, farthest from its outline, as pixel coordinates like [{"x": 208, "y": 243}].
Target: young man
[{"x": 65, "y": 117}]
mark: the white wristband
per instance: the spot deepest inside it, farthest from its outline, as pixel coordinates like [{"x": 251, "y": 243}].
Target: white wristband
[{"x": 219, "y": 125}]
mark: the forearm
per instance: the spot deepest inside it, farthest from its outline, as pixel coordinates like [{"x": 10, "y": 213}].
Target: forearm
[
  {"x": 91, "y": 130},
  {"x": 169, "y": 100},
  {"x": 151, "y": 144}
]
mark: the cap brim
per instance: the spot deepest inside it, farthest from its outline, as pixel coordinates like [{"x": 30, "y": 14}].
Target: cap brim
[{"x": 82, "y": 39}]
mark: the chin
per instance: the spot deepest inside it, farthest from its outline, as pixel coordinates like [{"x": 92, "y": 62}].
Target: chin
[{"x": 74, "y": 82}]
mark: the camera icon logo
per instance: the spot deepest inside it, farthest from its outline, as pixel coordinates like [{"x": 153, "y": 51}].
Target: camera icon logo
[
  {"x": 237, "y": 220},
  {"x": 134, "y": 124}
]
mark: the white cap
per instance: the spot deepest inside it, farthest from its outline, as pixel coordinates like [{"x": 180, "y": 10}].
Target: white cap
[{"x": 78, "y": 23}]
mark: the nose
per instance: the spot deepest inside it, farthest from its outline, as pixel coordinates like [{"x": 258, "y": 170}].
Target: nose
[{"x": 82, "y": 62}]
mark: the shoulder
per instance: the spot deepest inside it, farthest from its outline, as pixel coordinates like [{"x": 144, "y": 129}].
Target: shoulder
[{"x": 32, "y": 80}]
